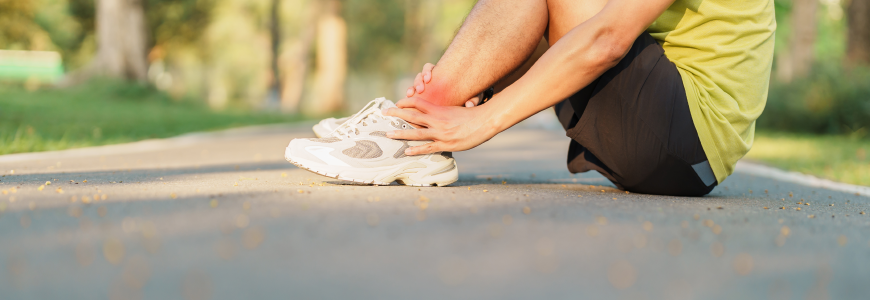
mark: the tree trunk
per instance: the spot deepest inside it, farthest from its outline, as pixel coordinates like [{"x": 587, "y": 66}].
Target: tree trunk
[
  {"x": 294, "y": 63},
  {"x": 858, "y": 48},
  {"x": 121, "y": 43},
  {"x": 121, "y": 38},
  {"x": 798, "y": 61},
  {"x": 331, "y": 61},
  {"x": 273, "y": 97}
]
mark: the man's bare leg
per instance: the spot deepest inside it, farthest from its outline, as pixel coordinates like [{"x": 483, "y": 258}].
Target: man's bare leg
[{"x": 498, "y": 37}]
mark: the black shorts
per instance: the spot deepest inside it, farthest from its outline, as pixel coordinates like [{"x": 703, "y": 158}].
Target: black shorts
[{"x": 633, "y": 126}]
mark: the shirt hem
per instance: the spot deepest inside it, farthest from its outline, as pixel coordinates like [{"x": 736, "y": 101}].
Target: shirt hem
[{"x": 701, "y": 127}]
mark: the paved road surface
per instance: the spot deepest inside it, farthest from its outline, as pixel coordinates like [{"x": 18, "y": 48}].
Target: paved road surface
[{"x": 223, "y": 216}]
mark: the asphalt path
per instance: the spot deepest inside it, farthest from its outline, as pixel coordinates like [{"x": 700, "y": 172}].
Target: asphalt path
[{"x": 223, "y": 216}]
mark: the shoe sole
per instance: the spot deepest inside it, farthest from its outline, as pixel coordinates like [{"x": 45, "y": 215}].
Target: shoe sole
[{"x": 413, "y": 173}]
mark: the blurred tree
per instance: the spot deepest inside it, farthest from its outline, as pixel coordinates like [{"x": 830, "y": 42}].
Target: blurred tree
[
  {"x": 39, "y": 25},
  {"x": 180, "y": 22},
  {"x": 858, "y": 45},
  {"x": 121, "y": 39},
  {"x": 293, "y": 60},
  {"x": 331, "y": 62},
  {"x": 376, "y": 39},
  {"x": 78, "y": 43},
  {"x": 798, "y": 59},
  {"x": 420, "y": 18},
  {"x": 273, "y": 97},
  {"x": 235, "y": 68},
  {"x": 121, "y": 43},
  {"x": 175, "y": 42},
  {"x": 17, "y": 21}
]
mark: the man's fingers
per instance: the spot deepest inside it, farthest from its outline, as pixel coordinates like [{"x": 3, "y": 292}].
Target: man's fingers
[
  {"x": 427, "y": 72},
  {"x": 408, "y": 103},
  {"x": 476, "y": 100},
  {"x": 421, "y": 80},
  {"x": 418, "y": 104},
  {"x": 411, "y": 135},
  {"x": 418, "y": 83},
  {"x": 405, "y": 103},
  {"x": 425, "y": 149},
  {"x": 472, "y": 102},
  {"x": 424, "y": 106},
  {"x": 408, "y": 115}
]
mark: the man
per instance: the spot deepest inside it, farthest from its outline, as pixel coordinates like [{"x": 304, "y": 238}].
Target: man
[{"x": 659, "y": 96}]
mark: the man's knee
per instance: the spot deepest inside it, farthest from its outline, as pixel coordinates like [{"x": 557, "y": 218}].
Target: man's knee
[{"x": 564, "y": 15}]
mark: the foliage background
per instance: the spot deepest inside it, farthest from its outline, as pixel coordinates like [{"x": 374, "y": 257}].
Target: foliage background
[
  {"x": 224, "y": 45},
  {"x": 835, "y": 97}
]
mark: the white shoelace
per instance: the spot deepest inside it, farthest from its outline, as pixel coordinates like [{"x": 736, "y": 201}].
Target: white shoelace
[{"x": 372, "y": 113}]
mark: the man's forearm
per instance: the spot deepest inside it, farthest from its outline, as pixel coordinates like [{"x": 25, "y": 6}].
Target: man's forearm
[{"x": 576, "y": 60}]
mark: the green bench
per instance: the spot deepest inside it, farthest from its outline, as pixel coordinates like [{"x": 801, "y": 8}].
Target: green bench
[{"x": 41, "y": 66}]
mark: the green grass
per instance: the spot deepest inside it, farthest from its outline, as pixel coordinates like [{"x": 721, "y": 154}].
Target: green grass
[
  {"x": 106, "y": 112},
  {"x": 839, "y": 158}
]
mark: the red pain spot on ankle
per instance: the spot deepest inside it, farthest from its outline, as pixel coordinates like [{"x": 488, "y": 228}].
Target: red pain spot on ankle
[{"x": 439, "y": 95}]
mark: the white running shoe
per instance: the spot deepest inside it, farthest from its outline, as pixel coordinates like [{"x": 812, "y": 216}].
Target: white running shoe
[
  {"x": 358, "y": 150},
  {"x": 326, "y": 126}
]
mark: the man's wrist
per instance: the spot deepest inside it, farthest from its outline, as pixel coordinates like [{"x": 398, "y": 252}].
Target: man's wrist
[{"x": 497, "y": 118}]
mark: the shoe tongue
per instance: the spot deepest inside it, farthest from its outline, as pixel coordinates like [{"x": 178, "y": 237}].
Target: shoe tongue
[{"x": 387, "y": 104}]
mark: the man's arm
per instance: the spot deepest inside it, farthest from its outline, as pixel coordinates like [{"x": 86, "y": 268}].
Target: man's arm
[
  {"x": 580, "y": 57},
  {"x": 577, "y": 59}
]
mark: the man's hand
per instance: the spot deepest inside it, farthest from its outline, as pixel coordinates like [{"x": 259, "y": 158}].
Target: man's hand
[
  {"x": 451, "y": 128},
  {"x": 421, "y": 80},
  {"x": 425, "y": 77}
]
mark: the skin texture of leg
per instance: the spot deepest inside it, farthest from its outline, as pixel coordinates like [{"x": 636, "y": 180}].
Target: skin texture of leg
[
  {"x": 498, "y": 38},
  {"x": 495, "y": 39}
]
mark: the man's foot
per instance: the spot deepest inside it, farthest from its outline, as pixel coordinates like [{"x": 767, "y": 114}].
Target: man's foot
[
  {"x": 325, "y": 127},
  {"x": 358, "y": 150}
]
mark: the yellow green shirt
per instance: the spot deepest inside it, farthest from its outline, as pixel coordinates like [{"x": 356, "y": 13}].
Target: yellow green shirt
[{"x": 723, "y": 50}]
